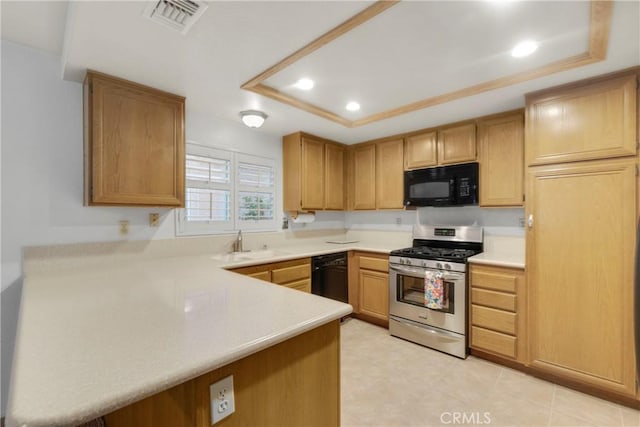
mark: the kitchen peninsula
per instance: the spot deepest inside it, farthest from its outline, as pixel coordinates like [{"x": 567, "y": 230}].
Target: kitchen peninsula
[{"x": 95, "y": 339}]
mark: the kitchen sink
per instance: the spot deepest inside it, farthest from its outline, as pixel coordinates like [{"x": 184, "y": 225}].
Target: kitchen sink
[{"x": 248, "y": 256}]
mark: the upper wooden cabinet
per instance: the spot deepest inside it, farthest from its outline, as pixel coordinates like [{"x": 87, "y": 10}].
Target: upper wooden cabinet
[
  {"x": 389, "y": 175},
  {"x": 455, "y": 144},
  {"x": 588, "y": 120},
  {"x": 134, "y": 144},
  {"x": 377, "y": 181},
  {"x": 334, "y": 196},
  {"x": 501, "y": 158},
  {"x": 420, "y": 151},
  {"x": 312, "y": 176},
  {"x": 364, "y": 177},
  {"x": 313, "y": 173}
]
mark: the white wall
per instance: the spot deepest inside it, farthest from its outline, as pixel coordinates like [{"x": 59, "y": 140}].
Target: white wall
[{"x": 42, "y": 173}]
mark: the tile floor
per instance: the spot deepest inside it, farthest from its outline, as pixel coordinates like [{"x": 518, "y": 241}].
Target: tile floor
[{"x": 390, "y": 382}]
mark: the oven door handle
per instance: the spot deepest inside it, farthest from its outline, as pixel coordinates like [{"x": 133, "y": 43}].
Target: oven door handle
[
  {"x": 420, "y": 273},
  {"x": 408, "y": 271}
]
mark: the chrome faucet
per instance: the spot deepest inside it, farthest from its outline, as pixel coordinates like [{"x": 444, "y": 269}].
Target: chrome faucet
[{"x": 237, "y": 245}]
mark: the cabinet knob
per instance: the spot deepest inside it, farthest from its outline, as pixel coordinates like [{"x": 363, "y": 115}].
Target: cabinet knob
[{"x": 530, "y": 221}]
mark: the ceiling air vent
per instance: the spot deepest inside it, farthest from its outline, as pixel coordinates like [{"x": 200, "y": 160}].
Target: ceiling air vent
[{"x": 177, "y": 14}]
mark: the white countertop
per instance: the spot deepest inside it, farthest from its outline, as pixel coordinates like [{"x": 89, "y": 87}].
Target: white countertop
[
  {"x": 500, "y": 259},
  {"x": 94, "y": 339}
]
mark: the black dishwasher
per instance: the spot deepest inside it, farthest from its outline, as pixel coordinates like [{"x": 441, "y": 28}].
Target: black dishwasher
[{"x": 329, "y": 276}]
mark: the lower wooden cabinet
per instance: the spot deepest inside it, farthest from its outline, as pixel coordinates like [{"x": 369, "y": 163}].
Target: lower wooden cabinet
[
  {"x": 293, "y": 383},
  {"x": 580, "y": 272},
  {"x": 369, "y": 286},
  {"x": 295, "y": 274},
  {"x": 498, "y": 312},
  {"x": 374, "y": 294}
]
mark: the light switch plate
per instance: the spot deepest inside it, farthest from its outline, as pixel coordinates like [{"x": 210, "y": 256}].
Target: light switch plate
[{"x": 222, "y": 399}]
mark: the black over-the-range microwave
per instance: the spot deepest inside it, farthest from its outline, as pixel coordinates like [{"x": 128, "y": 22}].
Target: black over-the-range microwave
[{"x": 454, "y": 185}]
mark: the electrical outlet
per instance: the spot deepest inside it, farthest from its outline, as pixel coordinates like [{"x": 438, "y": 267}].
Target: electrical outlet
[
  {"x": 124, "y": 227},
  {"x": 521, "y": 222},
  {"x": 398, "y": 221},
  {"x": 222, "y": 399},
  {"x": 154, "y": 219}
]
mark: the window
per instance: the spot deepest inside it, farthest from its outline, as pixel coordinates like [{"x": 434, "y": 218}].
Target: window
[{"x": 227, "y": 191}]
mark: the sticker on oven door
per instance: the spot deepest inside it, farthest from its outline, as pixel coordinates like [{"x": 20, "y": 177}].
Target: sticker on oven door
[{"x": 433, "y": 290}]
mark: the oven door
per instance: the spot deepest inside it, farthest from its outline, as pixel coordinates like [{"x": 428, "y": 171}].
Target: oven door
[{"x": 406, "y": 298}]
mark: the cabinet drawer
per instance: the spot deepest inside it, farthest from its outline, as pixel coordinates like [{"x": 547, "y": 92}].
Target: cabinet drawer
[
  {"x": 493, "y": 299},
  {"x": 376, "y": 264},
  {"x": 301, "y": 285},
  {"x": 262, "y": 275},
  {"x": 493, "y": 280},
  {"x": 490, "y": 318},
  {"x": 290, "y": 274},
  {"x": 493, "y": 341}
]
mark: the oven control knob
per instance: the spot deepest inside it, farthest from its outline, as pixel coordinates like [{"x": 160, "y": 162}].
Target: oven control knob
[
  {"x": 447, "y": 266},
  {"x": 401, "y": 261},
  {"x": 408, "y": 262},
  {"x": 424, "y": 263},
  {"x": 438, "y": 265}
]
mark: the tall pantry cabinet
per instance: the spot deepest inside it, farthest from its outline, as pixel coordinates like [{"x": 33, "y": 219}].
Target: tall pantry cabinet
[{"x": 581, "y": 209}]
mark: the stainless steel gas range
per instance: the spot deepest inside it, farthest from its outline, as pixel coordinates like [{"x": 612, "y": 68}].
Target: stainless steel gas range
[{"x": 428, "y": 287}]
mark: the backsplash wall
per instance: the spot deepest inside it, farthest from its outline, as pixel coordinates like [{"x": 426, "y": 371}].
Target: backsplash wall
[{"x": 504, "y": 221}]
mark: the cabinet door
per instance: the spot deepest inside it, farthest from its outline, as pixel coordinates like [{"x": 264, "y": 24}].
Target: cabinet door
[
  {"x": 134, "y": 144},
  {"x": 334, "y": 177},
  {"x": 457, "y": 144},
  {"x": 420, "y": 151},
  {"x": 364, "y": 171},
  {"x": 312, "y": 174},
  {"x": 589, "y": 122},
  {"x": 374, "y": 294},
  {"x": 501, "y": 152},
  {"x": 389, "y": 175},
  {"x": 580, "y": 253}
]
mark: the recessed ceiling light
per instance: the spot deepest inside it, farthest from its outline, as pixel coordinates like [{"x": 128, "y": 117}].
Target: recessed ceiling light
[
  {"x": 353, "y": 106},
  {"x": 524, "y": 48},
  {"x": 305, "y": 84}
]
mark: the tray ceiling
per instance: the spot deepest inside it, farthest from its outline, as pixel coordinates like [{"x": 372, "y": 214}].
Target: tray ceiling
[
  {"x": 398, "y": 57},
  {"x": 413, "y": 65}
]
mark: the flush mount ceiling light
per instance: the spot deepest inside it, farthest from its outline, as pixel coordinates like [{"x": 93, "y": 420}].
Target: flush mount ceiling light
[
  {"x": 353, "y": 106},
  {"x": 305, "y": 84},
  {"x": 253, "y": 118},
  {"x": 524, "y": 48}
]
